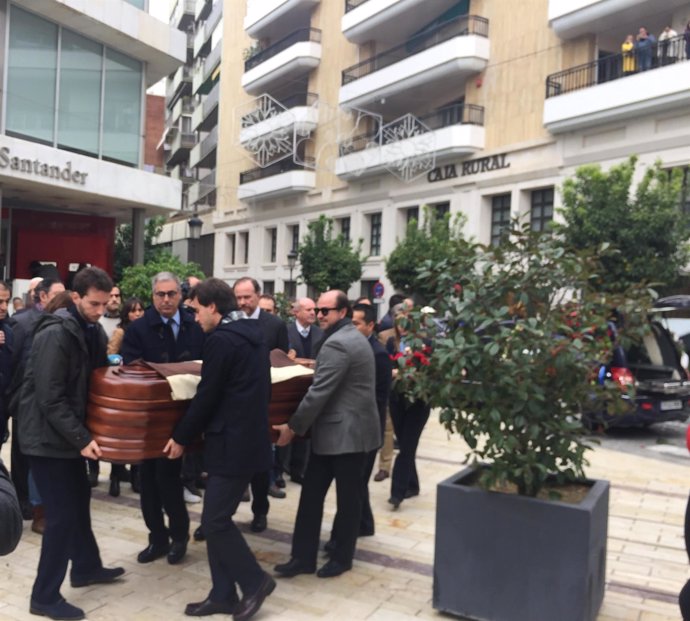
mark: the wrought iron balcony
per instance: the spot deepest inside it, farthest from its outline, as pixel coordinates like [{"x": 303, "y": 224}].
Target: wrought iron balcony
[
  {"x": 292, "y": 101},
  {"x": 303, "y": 34},
  {"x": 459, "y": 26}
]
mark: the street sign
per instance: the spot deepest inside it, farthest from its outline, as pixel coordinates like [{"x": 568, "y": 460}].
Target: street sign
[{"x": 378, "y": 290}]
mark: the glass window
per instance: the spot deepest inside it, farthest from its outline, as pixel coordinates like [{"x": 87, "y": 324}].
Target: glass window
[
  {"x": 269, "y": 287},
  {"x": 81, "y": 65},
  {"x": 244, "y": 243},
  {"x": 441, "y": 209},
  {"x": 500, "y": 217},
  {"x": 375, "y": 234},
  {"x": 294, "y": 232},
  {"x": 32, "y": 73},
  {"x": 541, "y": 212},
  {"x": 272, "y": 245},
  {"x": 230, "y": 250},
  {"x": 345, "y": 228},
  {"x": 122, "y": 109},
  {"x": 412, "y": 213}
]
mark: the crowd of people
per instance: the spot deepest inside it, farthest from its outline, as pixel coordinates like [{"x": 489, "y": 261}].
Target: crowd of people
[
  {"x": 644, "y": 51},
  {"x": 48, "y": 350}
]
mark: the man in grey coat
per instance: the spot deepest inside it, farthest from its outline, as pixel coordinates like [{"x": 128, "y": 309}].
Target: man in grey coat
[{"x": 340, "y": 410}]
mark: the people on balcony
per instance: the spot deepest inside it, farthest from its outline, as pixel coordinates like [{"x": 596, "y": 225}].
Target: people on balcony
[
  {"x": 627, "y": 47},
  {"x": 644, "y": 49},
  {"x": 667, "y": 47}
]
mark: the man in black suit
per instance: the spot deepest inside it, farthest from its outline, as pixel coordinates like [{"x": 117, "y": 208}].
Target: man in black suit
[
  {"x": 231, "y": 409},
  {"x": 247, "y": 292},
  {"x": 166, "y": 333}
]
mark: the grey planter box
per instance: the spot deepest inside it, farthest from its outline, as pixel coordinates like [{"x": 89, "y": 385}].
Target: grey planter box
[{"x": 502, "y": 557}]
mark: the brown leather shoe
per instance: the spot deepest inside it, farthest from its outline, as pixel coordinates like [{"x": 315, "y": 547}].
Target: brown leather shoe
[
  {"x": 381, "y": 475},
  {"x": 39, "y": 523}
]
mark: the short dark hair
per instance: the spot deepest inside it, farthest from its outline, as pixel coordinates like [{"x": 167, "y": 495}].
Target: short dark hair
[
  {"x": 255, "y": 283},
  {"x": 5, "y": 286},
  {"x": 267, "y": 296},
  {"x": 368, "y": 310},
  {"x": 214, "y": 291},
  {"x": 91, "y": 278},
  {"x": 44, "y": 287},
  {"x": 342, "y": 301},
  {"x": 396, "y": 298}
]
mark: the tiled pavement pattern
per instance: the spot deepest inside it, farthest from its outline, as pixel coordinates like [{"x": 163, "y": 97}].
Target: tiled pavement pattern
[{"x": 391, "y": 579}]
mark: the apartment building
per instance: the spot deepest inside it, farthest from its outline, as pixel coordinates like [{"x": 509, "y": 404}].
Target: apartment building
[
  {"x": 366, "y": 110},
  {"x": 190, "y": 136},
  {"x": 72, "y": 127}
]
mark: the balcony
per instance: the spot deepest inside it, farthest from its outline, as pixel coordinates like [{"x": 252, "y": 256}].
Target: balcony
[
  {"x": 204, "y": 74},
  {"x": 292, "y": 114},
  {"x": 437, "y": 60},
  {"x": 179, "y": 85},
  {"x": 182, "y": 14},
  {"x": 280, "y": 179},
  {"x": 202, "y": 9},
  {"x": 600, "y": 92},
  {"x": 183, "y": 172},
  {"x": 204, "y": 33},
  {"x": 203, "y": 155},
  {"x": 205, "y": 116},
  {"x": 573, "y": 18},
  {"x": 266, "y": 18},
  {"x": 371, "y": 20},
  {"x": 200, "y": 190},
  {"x": 179, "y": 147},
  {"x": 184, "y": 105},
  {"x": 410, "y": 146},
  {"x": 284, "y": 61}
]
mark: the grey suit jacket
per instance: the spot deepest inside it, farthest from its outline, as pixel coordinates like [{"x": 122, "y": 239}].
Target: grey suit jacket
[{"x": 340, "y": 406}]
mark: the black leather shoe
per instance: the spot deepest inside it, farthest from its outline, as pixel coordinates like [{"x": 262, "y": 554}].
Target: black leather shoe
[
  {"x": 59, "y": 610},
  {"x": 209, "y": 607},
  {"x": 104, "y": 575},
  {"x": 152, "y": 552},
  {"x": 294, "y": 567},
  {"x": 114, "y": 490},
  {"x": 394, "y": 501},
  {"x": 199, "y": 535},
  {"x": 332, "y": 569},
  {"x": 177, "y": 551},
  {"x": 259, "y": 524},
  {"x": 249, "y": 606}
]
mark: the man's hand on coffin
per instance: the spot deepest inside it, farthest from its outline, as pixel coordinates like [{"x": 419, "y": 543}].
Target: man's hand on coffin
[
  {"x": 173, "y": 449},
  {"x": 92, "y": 450},
  {"x": 286, "y": 434}
]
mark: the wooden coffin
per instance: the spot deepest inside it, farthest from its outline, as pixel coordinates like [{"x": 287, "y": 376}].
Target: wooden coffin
[{"x": 131, "y": 415}]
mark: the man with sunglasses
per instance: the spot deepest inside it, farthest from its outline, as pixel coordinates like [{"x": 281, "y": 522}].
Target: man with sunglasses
[
  {"x": 166, "y": 333},
  {"x": 340, "y": 410}
]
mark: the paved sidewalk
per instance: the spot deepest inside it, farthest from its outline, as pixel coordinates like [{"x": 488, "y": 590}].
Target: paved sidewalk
[{"x": 391, "y": 580}]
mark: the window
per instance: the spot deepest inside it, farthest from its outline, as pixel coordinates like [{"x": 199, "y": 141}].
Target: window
[
  {"x": 367, "y": 288},
  {"x": 293, "y": 231},
  {"x": 230, "y": 249},
  {"x": 345, "y": 228},
  {"x": 685, "y": 189},
  {"x": 44, "y": 60},
  {"x": 375, "y": 234},
  {"x": 269, "y": 287},
  {"x": 411, "y": 213},
  {"x": 500, "y": 217},
  {"x": 290, "y": 289},
  {"x": 541, "y": 210},
  {"x": 272, "y": 239},
  {"x": 244, "y": 246},
  {"x": 441, "y": 209}
]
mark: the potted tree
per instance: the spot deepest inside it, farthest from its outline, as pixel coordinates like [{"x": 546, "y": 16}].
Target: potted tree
[{"x": 521, "y": 532}]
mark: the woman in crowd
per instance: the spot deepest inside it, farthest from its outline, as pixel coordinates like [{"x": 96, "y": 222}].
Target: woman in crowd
[
  {"x": 132, "y": 309},
  {"x": 628, "y": 55},
  {"x": 408, "y": 417}
]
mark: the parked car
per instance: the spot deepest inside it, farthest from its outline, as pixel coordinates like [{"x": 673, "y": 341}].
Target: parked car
[{"x": 654, "y": 369}]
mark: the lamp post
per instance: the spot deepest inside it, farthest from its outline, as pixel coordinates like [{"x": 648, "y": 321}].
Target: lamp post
[{"x": 292, "y": 259}]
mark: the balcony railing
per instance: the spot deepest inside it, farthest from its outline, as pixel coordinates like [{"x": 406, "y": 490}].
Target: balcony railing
[
  {"x": 303, "y": 34},
  {"x": 292, "y": 101},
  {"x": 182, "y": 75},
  {"x": 456, "y": 114},
  {"x": 353, "y": 4},
  {"x": 616, "y": 66},
  {"x": 286, "y": 165},
  {"x": 209, "y": 143},
  {"x": 459, "y": 26},
  {"x": 207, "y": 185},
  {"x": 214, "y": 17}
]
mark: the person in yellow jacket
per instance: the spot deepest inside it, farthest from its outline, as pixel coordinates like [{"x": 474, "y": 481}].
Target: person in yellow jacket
[{"x": 629, "y": 65}]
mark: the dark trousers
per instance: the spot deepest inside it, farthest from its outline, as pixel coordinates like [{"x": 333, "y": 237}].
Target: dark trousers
[
  {"x": 366, "y": 521},
  {"x": 347, "y": 471},
  {"x": 229, "y": 557},
  {"x": 161, "y": 489},
  {"x": 66, "y": 494},
  {"x": 19, "y": 465},
  {"x": 296, "y": 455},
  {"x": 259, "y": 485},
  {"x": 408, "y": 422}
]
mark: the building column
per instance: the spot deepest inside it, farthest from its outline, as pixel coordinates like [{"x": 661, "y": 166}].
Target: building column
[{"x": 138, "y": 226}]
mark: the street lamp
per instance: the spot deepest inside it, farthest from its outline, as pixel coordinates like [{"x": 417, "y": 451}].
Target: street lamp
[
  {"x": 292, "y": 259},
  {"x": 195, "y": 225}
]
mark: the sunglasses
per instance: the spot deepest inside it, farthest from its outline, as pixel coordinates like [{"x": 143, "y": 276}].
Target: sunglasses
[
  {"x": 166, "y": 294},
  {"x": 324, "y": 310}
]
